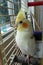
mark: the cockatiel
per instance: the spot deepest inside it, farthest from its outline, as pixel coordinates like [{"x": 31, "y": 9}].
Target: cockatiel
[{"x": 24, "y": 36}]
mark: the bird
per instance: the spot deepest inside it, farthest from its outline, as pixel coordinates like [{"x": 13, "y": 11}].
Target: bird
[{"x": 24, "y": 36}]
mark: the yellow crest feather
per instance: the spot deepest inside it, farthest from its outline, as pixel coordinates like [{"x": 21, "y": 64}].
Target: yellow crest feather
[{"x": 20, "y": 16}]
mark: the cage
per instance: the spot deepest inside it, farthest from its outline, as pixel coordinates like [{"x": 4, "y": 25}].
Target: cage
[{"x": 8, "y": 12}]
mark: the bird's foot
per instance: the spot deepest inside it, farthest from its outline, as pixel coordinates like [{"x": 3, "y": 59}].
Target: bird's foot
[{"x": 27, "y": 59}]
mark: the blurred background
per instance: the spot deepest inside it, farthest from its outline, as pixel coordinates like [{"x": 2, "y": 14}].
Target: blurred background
[{"x": 8, "y": 12}]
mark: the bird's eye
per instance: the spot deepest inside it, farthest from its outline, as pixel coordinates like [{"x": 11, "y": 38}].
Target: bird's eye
[{"x": 20, "y": 22}]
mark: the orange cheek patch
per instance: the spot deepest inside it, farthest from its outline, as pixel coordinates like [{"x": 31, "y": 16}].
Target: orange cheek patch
[{"x": 25, "y": 25}]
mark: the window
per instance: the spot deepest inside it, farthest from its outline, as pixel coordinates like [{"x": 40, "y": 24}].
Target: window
[
  {"x": 17, "y": 5},
  {"x": 8, "y": 12},
  {"x": 4, "y": 18}
]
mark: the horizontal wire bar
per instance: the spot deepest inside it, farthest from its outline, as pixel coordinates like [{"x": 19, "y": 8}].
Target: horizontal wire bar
[
  {"x": 18, "y": 52},
  {"x": 6, "y": 38},
  {"x": 8, "y": 15},
  {"x": 7, "y": 46},
  {"x": 9, "y": 51},
  {"x": 14, "y": 2},
  {"x": 11, "y": 54},
  {"x": 15, "y": 54},
  {"x": 6, "y": 7}
]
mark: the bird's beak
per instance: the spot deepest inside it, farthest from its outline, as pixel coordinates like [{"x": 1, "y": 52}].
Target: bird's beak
[{"x": 25, "y": 25}]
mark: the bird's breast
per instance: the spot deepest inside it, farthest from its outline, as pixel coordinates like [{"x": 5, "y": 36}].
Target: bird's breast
[{"x": 24, "y": 42}]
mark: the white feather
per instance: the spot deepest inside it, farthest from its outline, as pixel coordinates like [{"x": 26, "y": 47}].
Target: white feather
[{"x": 25, "y": 43}]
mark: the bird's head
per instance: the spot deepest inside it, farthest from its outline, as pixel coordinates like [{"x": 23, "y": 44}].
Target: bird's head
[{"x": 21, "y": 21}]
